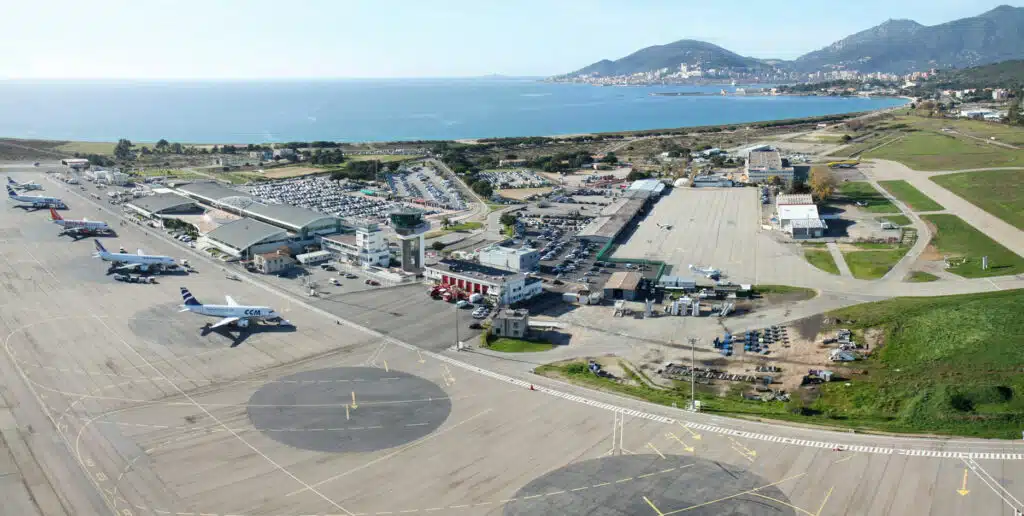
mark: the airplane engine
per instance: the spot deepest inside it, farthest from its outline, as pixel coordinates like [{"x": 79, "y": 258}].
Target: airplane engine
[{"x": 243, "y": 323}]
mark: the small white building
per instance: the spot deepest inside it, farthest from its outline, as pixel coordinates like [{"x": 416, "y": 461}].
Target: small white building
[
  {"x": 514, "y": 259},
  {"x": 314, "y": 258}
]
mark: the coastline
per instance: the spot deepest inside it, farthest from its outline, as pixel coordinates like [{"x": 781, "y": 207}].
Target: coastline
[{"x": 638, "y": 133}]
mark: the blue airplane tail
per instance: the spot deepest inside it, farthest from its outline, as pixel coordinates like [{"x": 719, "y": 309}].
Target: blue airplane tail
[
  {"x": 99, "y": 247},
  {"x": 190, "y": 300},
  {"x": 11, "y": 181},
  {"x": 10, "y": 191}
]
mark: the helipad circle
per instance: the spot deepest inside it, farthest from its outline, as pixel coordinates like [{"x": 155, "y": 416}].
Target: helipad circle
[
  {"x": 349, "y": 409},
  {"x": 622, "y": 485}
]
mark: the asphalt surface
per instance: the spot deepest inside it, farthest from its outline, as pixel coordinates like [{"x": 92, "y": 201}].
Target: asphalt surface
[{"x": 101, "y": 416}]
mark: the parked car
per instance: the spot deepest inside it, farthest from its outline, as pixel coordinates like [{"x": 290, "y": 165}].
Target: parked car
[
  {"x": 462, "y": 303},
  {"x": 351, "y": 276}
]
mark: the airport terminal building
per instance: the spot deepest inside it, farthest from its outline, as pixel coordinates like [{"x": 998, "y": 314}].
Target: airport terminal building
[
  {"x": 304, "y": 223},
  {"x": 506, "y": 287}
]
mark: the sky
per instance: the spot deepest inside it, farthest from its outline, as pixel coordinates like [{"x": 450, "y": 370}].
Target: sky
[{"x": 246, "y": 39}]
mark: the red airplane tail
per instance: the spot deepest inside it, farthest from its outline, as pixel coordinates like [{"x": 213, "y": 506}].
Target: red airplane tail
[{"x": 54, "y": 215}]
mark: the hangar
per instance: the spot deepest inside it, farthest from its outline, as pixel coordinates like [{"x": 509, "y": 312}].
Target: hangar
[
  {"x": 245, "y": 238},
  {"x": 153, "y": 206}
]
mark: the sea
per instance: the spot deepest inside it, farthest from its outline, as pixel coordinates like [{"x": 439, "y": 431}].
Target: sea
[{"x": 356, "y": 110}]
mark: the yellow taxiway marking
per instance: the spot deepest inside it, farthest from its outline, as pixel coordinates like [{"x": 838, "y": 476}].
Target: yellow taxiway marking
[
  {"x": 745, "y": 450},
  {"x": 787, "y": 504},
  {"x": 346, "y": 413},
  {"x": 844, "y": 459},
  {"x": 695, "y": 435},
  {"x": 420, "y": 355},
  {"x": 354, "y": 406},
  {"x": 649, "y": 502},
  {"x": 686, "y": 447},
  {"x": 963, "y": 487},
  {"x": 823, "y": 502},
  {"x": 730, "y": 497},
  {"x": 743, "y": 453},
  {"x": 386, "y": 367},
  {"x": 651, "y": 446}
]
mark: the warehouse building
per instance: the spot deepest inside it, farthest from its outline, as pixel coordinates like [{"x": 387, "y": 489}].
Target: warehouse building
[
  {"x": 245, "y": 238},
  {"x": 762, "y": 165},
  {"x": 622, "y": 285},
  {"x": 645, "y": 189},
  {"x": 797, "y": 215},
  {"x": 505, "y": 287},
  {"x": 156, "y": 206},
  {"x": 521, "y": 259},
  {"x": 612, "y": 220}
]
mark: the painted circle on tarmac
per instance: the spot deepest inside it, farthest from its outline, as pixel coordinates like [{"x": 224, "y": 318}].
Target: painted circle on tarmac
[
  {"x": 630, "y": 484},
  {"x": 349, "y": 409}
]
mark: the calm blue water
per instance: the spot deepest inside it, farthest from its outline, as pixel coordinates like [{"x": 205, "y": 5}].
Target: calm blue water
[{"x": 372, "y": 110}]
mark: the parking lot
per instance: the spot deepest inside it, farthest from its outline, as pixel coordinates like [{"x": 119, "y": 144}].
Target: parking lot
[
  {"x": 339, "y": 198},
  {"x": 423, "y": 182}
]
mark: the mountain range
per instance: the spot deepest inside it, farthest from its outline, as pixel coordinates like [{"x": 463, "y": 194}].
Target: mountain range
[{"x": 896, "y": 46}]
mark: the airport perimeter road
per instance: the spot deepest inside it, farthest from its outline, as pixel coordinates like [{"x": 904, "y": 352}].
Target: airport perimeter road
[
  {"x": 982, "y": 220},
  {"x": 128, "y": 408}
]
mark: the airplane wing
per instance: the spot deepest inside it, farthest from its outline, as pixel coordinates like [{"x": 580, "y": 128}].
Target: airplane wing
[
  {"x": 225, "y": 321},
  {"x": 231, "y": 302},
  {"x": 130, "y": 267}
]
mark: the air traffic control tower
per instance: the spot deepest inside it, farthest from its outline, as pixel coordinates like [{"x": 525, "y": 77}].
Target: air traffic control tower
[{"x": 410, "y": 227}]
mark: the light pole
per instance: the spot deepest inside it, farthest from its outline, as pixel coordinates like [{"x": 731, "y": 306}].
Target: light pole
[{"x": 693, "y": 375}]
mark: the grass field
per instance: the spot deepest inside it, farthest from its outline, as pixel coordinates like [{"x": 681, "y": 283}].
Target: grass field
[
  {"x": 822, "y": 259},
  {"x": 292, "y": 171},
  {"x": 384, "y": 158},
  {"x": 103, "y": 148},
  {"x": 997, "y": 192},
  {"x": 913, "y": 197},
  {"x": 899, "y": 220},
  {"x": 509, "y": 345},
  {"x": 874, "y": 263},
  {"x": 920, "y": 277},
  {"x": 939, "y": 151},
  {"x": 957, "y": 239},
  {"x": 859, "y": 191},
  {"x": 1002, "y": 132},
  {"x": 945, "y": 365}
]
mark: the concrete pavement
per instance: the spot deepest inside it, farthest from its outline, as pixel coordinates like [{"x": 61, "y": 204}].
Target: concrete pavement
[{"x": 837, "y": 255}]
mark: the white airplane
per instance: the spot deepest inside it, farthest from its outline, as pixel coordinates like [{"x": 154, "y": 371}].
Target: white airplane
[
  {"x": 67, "y": 224},
  {"x": 24, "y": 186},
  {"x": 37, "y": 201},
  {"x": 231, "y": 313},
  {"x": 140, "y": 261},
  {"x": 667, "y": 227},
  {"x": 709, "y": 272}
]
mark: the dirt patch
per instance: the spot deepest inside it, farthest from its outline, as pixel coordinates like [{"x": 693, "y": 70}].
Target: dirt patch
[
  {"x": 522, "y": 193},
  {"x": 874, "y": 338},
  {"x": 931, "y": 254},
  {"x": 808, "y": 328}
]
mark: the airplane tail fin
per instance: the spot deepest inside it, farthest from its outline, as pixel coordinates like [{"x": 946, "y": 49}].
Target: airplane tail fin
[
  {"x": 10, "y": 191},
  {"x": 190, "y": 300},
  {"x": 10, "y": 181},
  {"x": 54, "y": 215},
  {"x": 100, "y": 248}
]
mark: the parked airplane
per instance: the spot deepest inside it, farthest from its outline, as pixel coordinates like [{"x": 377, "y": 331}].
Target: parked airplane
[
  {"x": 231, "y": 313},
  {"x": 79, "y": 233},
  {"x": 667, "y": 227},
  {"x": 24, "y": 186},
  {"x": 36, "y": 201},
  {"x": 69, "y": 223},
  {"x": 709, "y": 272},
  {"x": 140, "y": 261}
]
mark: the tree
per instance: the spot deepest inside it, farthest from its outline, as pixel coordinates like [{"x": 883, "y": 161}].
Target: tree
[
  {"x": 162, "y": 145},
  {"x": 445, "y": 222},
  {"x": 637, "y": 174},
  {"x": 483, "y": 188},
  {"x": 845, "y": 138},
  {"x": 123, "y": 149},
  {"x": 508, "y": 219},
  {"x": 176, "y": 148},
  {"x": 823, "y": 183},
  {"x": 610, "y": 158},
  {"x": 437, "y": 245},
  {"x": 1013, "y": 116}
]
